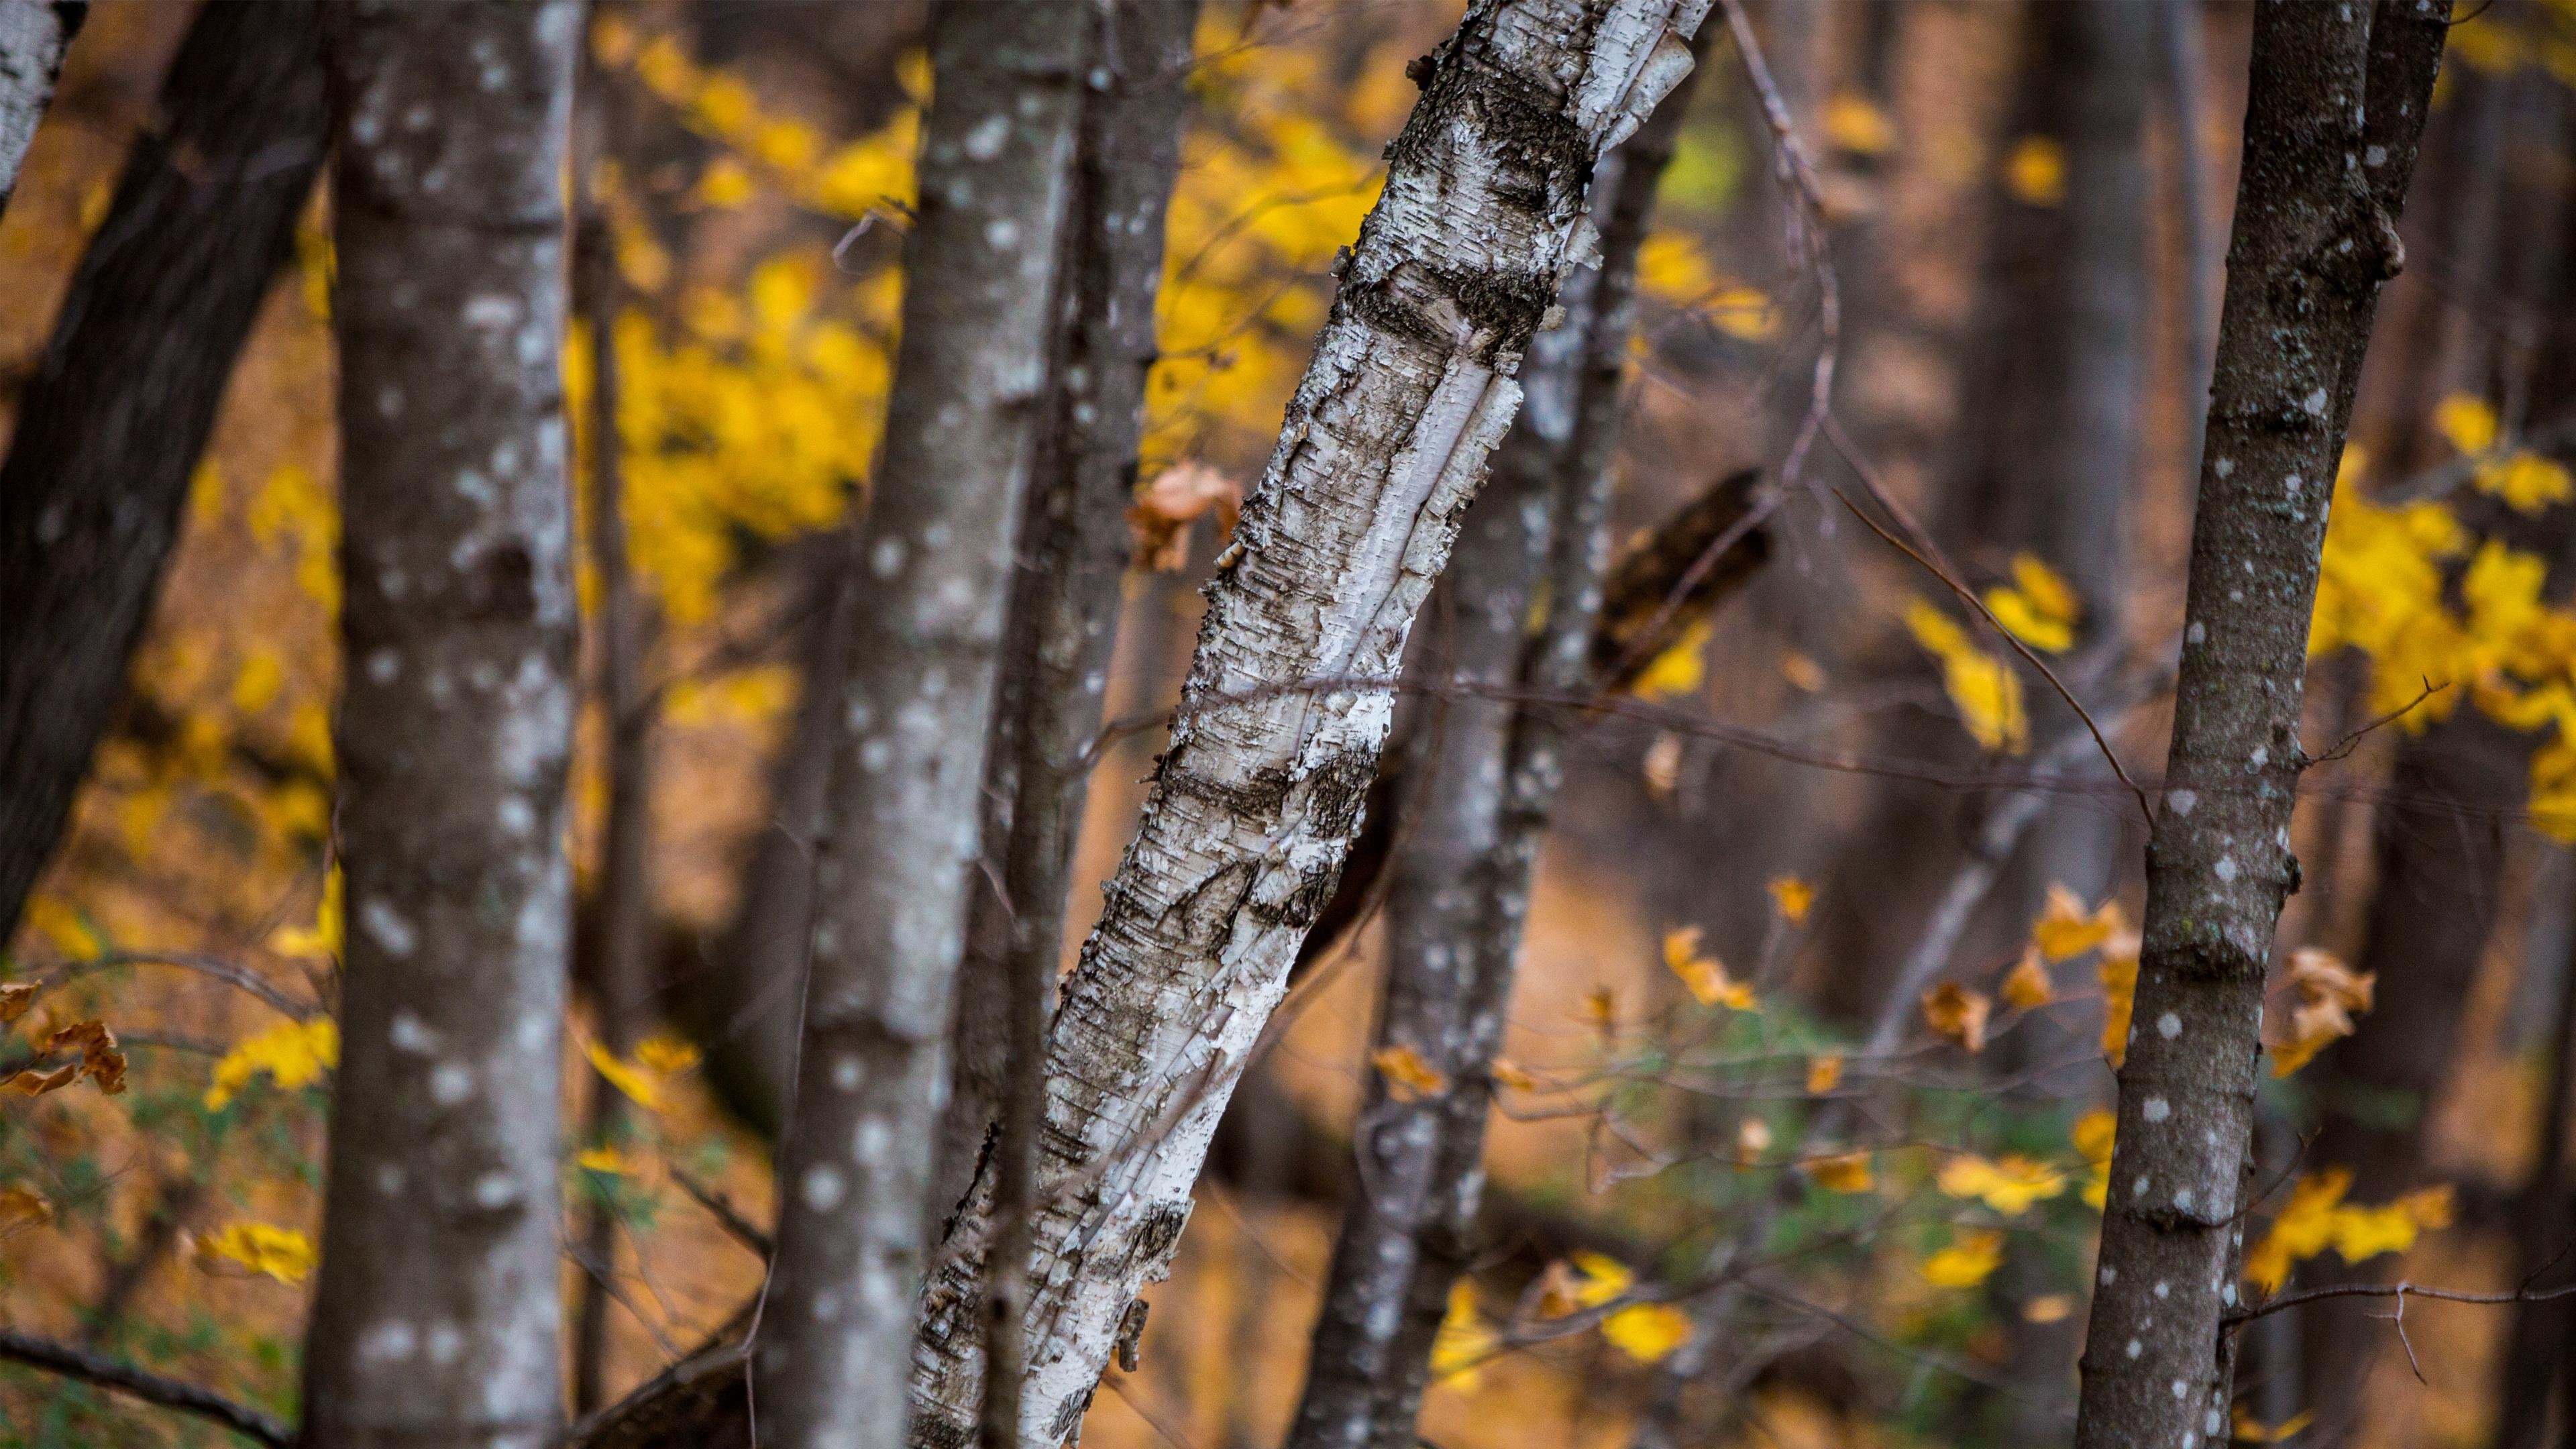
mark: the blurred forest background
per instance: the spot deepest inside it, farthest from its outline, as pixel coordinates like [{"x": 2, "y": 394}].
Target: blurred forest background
[{"x": 1777, "y": 879}]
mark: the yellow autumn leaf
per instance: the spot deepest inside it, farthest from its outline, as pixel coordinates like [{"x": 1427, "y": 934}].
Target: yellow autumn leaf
[
  {"x": 1681, "y": 669},
  {"x": 2048, "y": 1308},
  {"x": 329, "y": 929},
  {"x": 1409, "y": 1078},
  {"x": 2013, "y": 610},
  {"x": 20, "y": 1206},
  {"x": 2009, "y": 1184},
  {"x": 1847, "y": 1172},
  {"x": 1958, "y": 1014},
  {"x": 665, "y": 1054},
  {"x": 725, "y": 184},
  {"x": 1853, "y": 123},
  {"x": 68, "y": 930},
  {"x": 2301, "y": 1229},
  {"x": 1600, "y": 1278},
  {"x": 2035, "y": 171},
  {"x": 607, "y": 1161},
  {"x": 1647, "y": 1332},
  {"x": 2119, "y": 973},
  {"x": 2065, "y": 929},
  {"x": 1967, "y": 1262},
  {"x": 1507, "y": 1073},
  {"x": 2027, "y": 987},
  {"x": 1743, "y": 313},
  {"x": 1703, "y": 975},
  {"x": 1794, "y": 897},
  {"x": 281, "y": 1253},
  {"x": 2526, "y": 481},
  {"x": 1464, "y": 1340},
  {"x": 2248, "y": 1429},
  {"x": 293, "y": 1054},
  {"x": 2093, "y": 1135},
  {"x": 2329, "y": 994},
  {"x": 1824, "y": 1073},
  {"x": 2469, "y": 423},
  {"x": 2039, "y": 606},
  {"x": 1981, "y": 687},
  {"x": 639, "y": 1083}
]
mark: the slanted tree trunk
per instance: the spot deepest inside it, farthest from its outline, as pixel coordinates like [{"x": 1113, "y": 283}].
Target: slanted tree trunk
[
  {"x": 33, "y": 36},
  {"x": 111, "y": 426},
  {"x": 1063, "y": 630},
  {"x": 2533, "y": 1370},
  {"x": 1075, "y": 544},
  {"x": 1484, "y": 774},
  {"x": 930, "y": 571},
  {"x": 436, "y": 1313},
  {"x": 1254, "y": 804},
  {"x": 2315, "y": 236}
]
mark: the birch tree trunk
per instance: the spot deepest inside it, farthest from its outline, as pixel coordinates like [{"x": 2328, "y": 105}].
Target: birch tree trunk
[
  {"x": 33, "y": 36},
  {"x": 1410, "y": 387},
  {"x": 1076, "y": 541},
  {"x": 2336, "y": 106},
  {"x": 111, "y": 426},
  {"x": 1487, "y": 772},
  {"x": 437, "y": 1310},
  {"x": 930, "y": 573}
]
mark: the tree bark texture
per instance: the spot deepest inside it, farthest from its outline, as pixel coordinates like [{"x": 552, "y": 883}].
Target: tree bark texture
[
  {"x": 111, "y": 426},
  {"x": 1485, "y": 775},
  {"x": 1286, "y": 708},
  {"x": 1063, "y": 628},
  {"x": 33, "y": 36},
  {"x": 930, "y": 573},
  {"x": 1074, "y": 553},
  {"x": 2336, "y": 105},
  {"x": 437, "y": 1311}
]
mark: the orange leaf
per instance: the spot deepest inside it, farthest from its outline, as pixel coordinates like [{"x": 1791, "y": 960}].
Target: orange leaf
[
  {"x": 2028, "y": 987},
  {"x": 1958, "y": 1014},
  {"x": 1165, "y": 509},
  {"x": 1408, "y": 1077}
]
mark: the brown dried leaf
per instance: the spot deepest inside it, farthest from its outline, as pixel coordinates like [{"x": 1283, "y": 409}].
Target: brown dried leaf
[
  {"x": 15, "y": 998},
  {"x": 1955, "y": 1012},
  {"x": 1165, "y": 508}
]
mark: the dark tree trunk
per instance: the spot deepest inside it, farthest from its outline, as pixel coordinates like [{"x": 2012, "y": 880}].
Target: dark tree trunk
[
  {"x": 436, "y": 1310},
  {"x": 2315, "y": 236},
  {"x": 1481, "y": 777},
  {"x": 111, "y": 427},
  {"x": 929, "y": 574}
]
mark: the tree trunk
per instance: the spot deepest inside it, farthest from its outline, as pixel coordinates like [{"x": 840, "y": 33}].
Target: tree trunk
[
  {"x": 2534, "y": 1359},
  {"x": 930, "y": 571},
  {"x": 110, "y": 428},
  {"x": 33, "y": 36},
  {"x": 1063, "y": 630},
  {"x": 1409, "y": 389},
  {"x": 2315, "y": 235},
  {"x": 436, "y": 1310},
  {"x": 1485, "y": 776},
  {"x": 1076, "y": 541}
]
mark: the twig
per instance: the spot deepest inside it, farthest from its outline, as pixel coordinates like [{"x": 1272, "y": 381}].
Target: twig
[
  {"x": 727, "y": 1216},
  {"x": 2350, "y": 742},
  {"x": 2393, "y": 1290},
  {"x": 2146, "y": 812},
  {"x": 216, "y": 967},
  {"x": 152, "y": 1388}
]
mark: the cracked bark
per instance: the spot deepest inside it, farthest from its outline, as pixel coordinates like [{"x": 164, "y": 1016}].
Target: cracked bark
[
  {"x": 1486, "y": 773},
  {"x": 33, "y": 36},
  {"x": 2336, "y": 106},
  {"x": 1257, "y": 799},
  {"x": 930, "y": 571},
  {"x": 112, "y": 424},
  {"x": 437, "y": 1310}
]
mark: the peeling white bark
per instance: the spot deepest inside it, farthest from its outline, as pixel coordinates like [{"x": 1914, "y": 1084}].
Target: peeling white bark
[
  {"x": 1410, "y": 387},
  {"x": 33, "y": 36}
]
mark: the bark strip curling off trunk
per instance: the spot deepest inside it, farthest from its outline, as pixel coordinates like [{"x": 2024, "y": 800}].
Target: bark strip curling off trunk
[
  {"x": 1459, "y": 894},
  {"x": 1254, "y": 804},
  {"x": 2336, "y": 105},
  {"x": 437, "y": 1311},
  {"x": 112, "y": 424},
  {"x": 930, "y": 571},
  {"x": 33, "y": 36}
]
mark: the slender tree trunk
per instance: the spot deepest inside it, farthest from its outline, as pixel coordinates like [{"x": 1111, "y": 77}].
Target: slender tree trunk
[
  {"x": 2535, "y": 1352},
  {"x": 1487, "y": 777},
  {"x": 931, "y": 569},
  {"x": 33, "y": 36},
  {"x": 621, "y": 983},
  {"x": 1075, "y": 545},
  {"x": 111, "y": 427},
  {"x": 436, "y": 1311},
  {"x": 2337, "y": 101},
  {"x": 1063, "y": 630},
  {"x": 1410, "y": 387}
]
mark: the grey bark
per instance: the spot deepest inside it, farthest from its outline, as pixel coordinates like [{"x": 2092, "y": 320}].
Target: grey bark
[
  {"x": 1076, "y": 541},
  {"x": 33, "y": 36},
  {"x": 1410, "y": 387},
  {"x": 437, "y": 1311},
  {"x": 1063, "y": 629},
  {"x": 111, "y": 426},
  {"x": 2336, "y": 107},
  {"x": 1487, "y": 772},
  {"x": 930, "y": 571}
]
